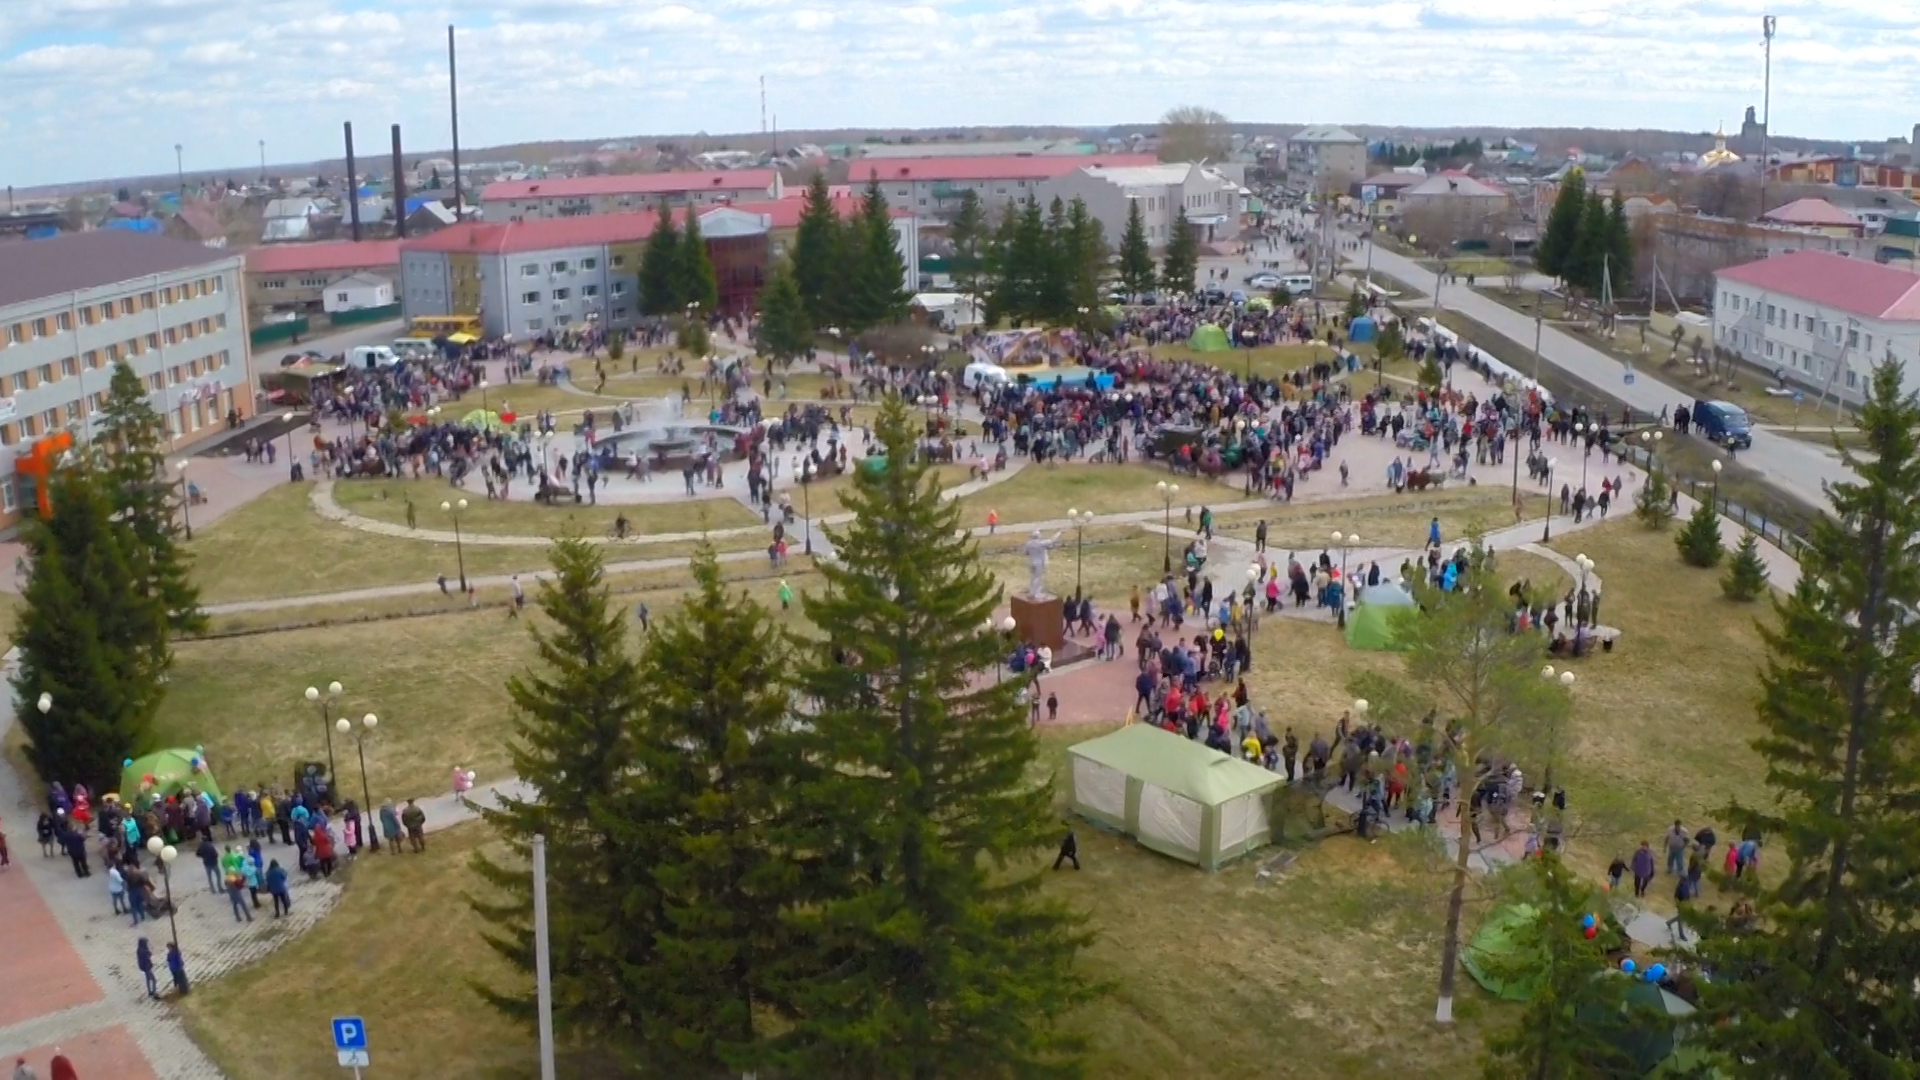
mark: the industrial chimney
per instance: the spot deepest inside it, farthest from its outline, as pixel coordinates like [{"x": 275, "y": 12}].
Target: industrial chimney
[
  {"x": 353, "y": 184},
  {"x": 399, "y": 187}
]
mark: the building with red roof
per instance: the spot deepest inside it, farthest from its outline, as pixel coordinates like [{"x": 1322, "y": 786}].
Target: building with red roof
[
  {"x": 1811, "y": 213},
  {"x": 296, "y": 277},
  {"x": 933, "y": 186},
  {"x": 536, "y": 200},
  {"x": 1819, "y": 319}
]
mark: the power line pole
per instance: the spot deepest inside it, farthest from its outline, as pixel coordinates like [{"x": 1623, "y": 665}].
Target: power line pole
[
  {"x": 1766, "y": 106},
  {"x": 543, "y": 972}
]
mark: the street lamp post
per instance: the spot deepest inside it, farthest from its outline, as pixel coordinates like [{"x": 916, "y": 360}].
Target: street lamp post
[
  {"x": 186, "y": 498},
  {"x": 806, "y": 498},
  {"x": 1586, "y": 449},
  {"x": 1079, "y": 522},
  {"x": 1566, "y": 679},
  {"x": 483, "y": 393},
  {"x": 164, "y": 853},
  {"x": 1006, "y": 627},
  {"x": 293, "y": 460},
  {"x": 1717, "y": 466},
  {"x": 1167, "y": 493},
  {"x": 367, "y": 724},
  {"x": 1586, "y": 565},
  {"x": 1546, "y": 534},
  {"x": 326, "y": 722},
  {"x": 459, "y": 552},
  {"x": 1345, "y": 543}
]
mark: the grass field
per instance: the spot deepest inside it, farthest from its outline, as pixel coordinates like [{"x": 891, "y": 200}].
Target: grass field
[
  {"x": 1046, "y": 493},
  {"x": 821, "y": 498},
  {"x": 1266, "y": 362},
  {"x": 386, "y": 500},
  {"x": 1384, "y": 520}
]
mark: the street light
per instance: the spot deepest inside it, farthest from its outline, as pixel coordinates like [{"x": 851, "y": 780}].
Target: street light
[
  {"x": 164, "y": 853},
  {"x": 1345, "y": 544},
  {"x": 1586, "y": 450},
  {"x": 483, "y": 392},
  {"x": 186, "y": 497},
  {"x": 1717, "y": 466},
  {"x": 1006, "y": 627},
  {"x": 806, "y": 497},
  {"x": 1546, "y": 534},
  {"x": 1079, "y": 522},
  {"x": 1565, "y": 679},
  {"x": 45, "y": 704},
  {"x": 293, "y": 461},
  {"x": 326, "y": 721},
  {"x": 1586, "y": 565},
  {"x": 367, "y": 724},
  {"x": 459, "y": 552},
  {"x": 1167, "y": 492}
]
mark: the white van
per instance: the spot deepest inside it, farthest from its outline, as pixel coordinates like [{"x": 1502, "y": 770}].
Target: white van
[
  {"x": 1297, "y": 284},
  {"x": 411, "y": 348},
  {"x": 368, "y": 357},
  {"x": 980, "y": 373}
]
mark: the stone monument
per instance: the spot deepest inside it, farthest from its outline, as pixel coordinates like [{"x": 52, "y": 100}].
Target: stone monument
[{"x": 1038, "y": 617}]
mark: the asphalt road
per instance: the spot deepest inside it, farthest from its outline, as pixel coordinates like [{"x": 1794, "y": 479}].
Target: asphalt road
[{"x": 1799, "y": 468}]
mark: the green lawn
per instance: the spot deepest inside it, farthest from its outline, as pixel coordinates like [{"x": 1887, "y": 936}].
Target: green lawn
[
  {"x": 1266, "y": 362},
  {"x": 1381, "y": 520},
  {"x": 1047, "y": 492},
  {"x": 386, "y": 500}
]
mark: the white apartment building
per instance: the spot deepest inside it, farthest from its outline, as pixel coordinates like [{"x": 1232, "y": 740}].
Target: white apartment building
[
  {"x": 1820, "y": 320},
  {"x": 933, "y": 187},
  {"x": 578, "y": 196},
  {"x": 1331, "y": 156},
  {"x": 1213, "y": 202}
]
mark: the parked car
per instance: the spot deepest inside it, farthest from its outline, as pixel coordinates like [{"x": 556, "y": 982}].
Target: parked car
[
  {"x": 1265, "y": 279},
  {"x": 1723, "y": 422},
  {"x": 1211, "y": 294},
  {"x": 1237, "y": 298}
]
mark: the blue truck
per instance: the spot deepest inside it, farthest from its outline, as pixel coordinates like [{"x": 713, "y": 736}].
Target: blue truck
[{"x": 1723, "y": 422}]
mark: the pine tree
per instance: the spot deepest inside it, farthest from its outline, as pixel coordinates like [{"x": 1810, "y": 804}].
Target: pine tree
[
  {"x": 660, "y": 268},
  {"x": 1391, "y": 344},
  {"x": 1746, "y": 576},
  {"x": 720, "y": 763},
  {"x": 1699, "y": 541},
  {"x": 1085, "y": 248},
  {"x": 1430, "y": 376},
  {"x": 1820, "y": 986},
  {"x": 1555, "y": 251},
  {"x": 694, "y": 336},
  {"x": 785, "y": 333},
  {"x": 817, "y": 246},
  {"x": 1027, "y": 266},
  {"x": 939, "y": 957},
  {"x": 86, "y": 638},
  {"x": 876, "y": 279},
  {"x": 616, "y": 345},
  {"x": 1588, "y": 258},
  {"x": 695, "y": 280},
  {"x": 1002, "y": 300},
  {"x": 1653, "y": 503},
  {"x": 573, "y": 745},
  {"x": 1136, "y": 255},
  {"x": 1577, "y": 1022},
  {"x": 1180, "y": 263},
  {"x": 132, "y": 441},
  {"x": 969, "y": 235},
  {"x": 1619, "y": 246}
]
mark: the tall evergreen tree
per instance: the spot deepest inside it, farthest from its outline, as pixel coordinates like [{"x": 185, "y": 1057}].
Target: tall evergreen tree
[
  {"x": 132, "y": 441},
  {"x": 573, "y": 745},
  {"x": 660, "y": 268},
  {"x": 696, "y": 281},
  {"x": 720, "y": 762},
  {"x": 785, "y": 333},
  {"x": 1056, "y": 279},
  {"x": 1136, "y": 255},
  {"x": 1180, "y": 263},
  {"x": 1821, "y": 986},
  {"x": 971, "y": 238},
  {"x": 1555, "y": 249},
  {"x": 1653, "y": 503},
  {"x": 1085, "y": 246},
  {"x": 1588, "y": 261},
  {"x": 1026, "y": 265},
  {"x": 937, "y": 958},
  {"x": 817, "y": 245},
  {"x": 1619, "y": 245},
  {"x": 1002, "y": 300},
  {"x": 1746, "y": 576},
  {"x": 876, "y": 279},
  {"x": 86, "y": 638}
]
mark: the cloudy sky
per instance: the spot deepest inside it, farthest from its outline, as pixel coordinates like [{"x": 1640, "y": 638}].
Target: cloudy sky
[{"x": 107, "y": 87}]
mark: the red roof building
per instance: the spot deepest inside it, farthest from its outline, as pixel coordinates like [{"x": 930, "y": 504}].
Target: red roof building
[
  {"x": 350, "y": 255},
  {"x": 891, "y": 171},
  {"x": 534, "y": 200},
  {"x": 1811, "y": 213},
  {"x": 1819, "y": 319},
  {"x": 1858, "y": 287}
]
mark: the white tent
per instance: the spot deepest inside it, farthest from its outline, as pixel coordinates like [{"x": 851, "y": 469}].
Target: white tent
[{"x": 1172, "y": 794}]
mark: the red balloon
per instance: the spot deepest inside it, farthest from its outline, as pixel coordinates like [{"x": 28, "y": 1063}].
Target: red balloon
[{"x": 1591, "y": 931}]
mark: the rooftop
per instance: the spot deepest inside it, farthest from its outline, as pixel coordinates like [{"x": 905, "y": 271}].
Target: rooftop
[
  {"x": 1325, "y": 133},
  {"x": 1143, "y": 175},
  {"x": 36, "y": 269},
  {"x": 667, "y": 183},
  {"x": 1008, "y": 148},
  {"x": 1868, "y": 289},
  {"x": 335, "y": 255},
  {"x": 1811, "y": 212},
  {"x": 896, "y": 170},
  {"x": 1454, "y": 185}
]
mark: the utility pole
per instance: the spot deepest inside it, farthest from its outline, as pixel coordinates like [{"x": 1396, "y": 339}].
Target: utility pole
[
  {"x": 180, "y": 167},
  {"x": 542, "y": 965},
  {"x": 453, "y": 104},
  {"x": 1766, "y": 106},
  {"x": 263, "y": 161},
  {"x": 763, "y": 104}
]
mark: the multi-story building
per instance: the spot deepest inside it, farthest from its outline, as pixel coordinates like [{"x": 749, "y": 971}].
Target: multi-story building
[
  {"x": 1820, "y": 320},
  {"x": 1332, "y": 158},
  {"x": 540, "y": 200},
  {"x": 297, "y": 277},
  {"x": 1691, "y": 248},
  {"x": 933, "y": 187},
  {"x": 1213, "y": 203},
  {"x": 73, "y": 306}
]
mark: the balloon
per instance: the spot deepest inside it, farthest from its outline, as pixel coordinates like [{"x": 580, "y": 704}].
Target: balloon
[
  {"x": 1657, "y": 972},
  {"x": 1627, "y": 965},
  {"x": 1592, "y": 931},
  {"x": 1588, "y": 920},
  {"x": 127, "y": 764}
]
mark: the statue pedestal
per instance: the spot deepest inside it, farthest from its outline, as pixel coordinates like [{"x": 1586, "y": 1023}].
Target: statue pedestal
[{"x": 1040, "y": 620}]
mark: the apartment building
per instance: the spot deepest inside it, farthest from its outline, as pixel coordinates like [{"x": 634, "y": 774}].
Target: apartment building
[
  {"x": 541, "y": 200},
  {"x": 1213, "y": 202},
  {"x": 1331, "y": 157},
  {"x": 1820, "y": 320},
  {"x": 933, "y": 187},
  {"x": 73, "y": 306}
]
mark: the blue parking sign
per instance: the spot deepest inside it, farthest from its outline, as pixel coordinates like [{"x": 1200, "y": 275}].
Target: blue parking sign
[{"x": 349, "y": 1033}]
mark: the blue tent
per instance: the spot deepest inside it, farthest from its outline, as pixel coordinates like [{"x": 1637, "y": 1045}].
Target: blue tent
[{"x": 1363, "y": 330}]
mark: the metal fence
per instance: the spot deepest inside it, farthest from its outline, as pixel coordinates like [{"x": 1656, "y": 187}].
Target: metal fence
[{"x": 1773, "y": 532}]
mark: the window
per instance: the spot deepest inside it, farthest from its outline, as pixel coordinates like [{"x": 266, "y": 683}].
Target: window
[
  {"x": 45, "y": 373},
  {"x": 113, "y": 354},
  {"x": 535, "y": 324},
  {"x": 560, "y": 266},
  {"x": 17, "y": 333},
  {"x": 561, "y": 294},
  {"x": 106, "y": 310},
  {"x": 341, "y": 297},
  {"x": 126, "y": 305},
  {"x": 530, "y": 270},
  {"x": 589, "y": 264},
  {"x": 619, "y": 288},
  {"x": 157, "y": 380},
  {"x": 146, "y": 301},
  {"x": 166, "y": 296},
  {"x": 70, "y": 366},
  {"x": 153, "y": 341},
  {"x": 530, "y": 298},
  {"x": 562, "y": 320},
  {"x": 29, "y": 427},
  {"x": 1869, "y": 342},
  {"x": 1851, "y": 378},
  {"x": 589, "y": 291},
  {"x": 42, "y": 328},
  {"x": 619, "y": 314},
  {"x": 619, "y": 261},
  {"x": 1769, "y": 348},
  {"x": 1853, "y": 338},
  {"x": 92, "y": 358},
  {"x": 50, "y": 419},
  {"x": 73, "y": 412}
]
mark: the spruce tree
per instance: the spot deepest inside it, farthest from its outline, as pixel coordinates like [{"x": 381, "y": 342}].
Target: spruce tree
[
  {"x": 817, "y": 246},
  {"x": 1699, "y": 541},
  {"x": 132, "y": 442},
  {"x": 934, "y": 955},
  {"x": 1085, "y": 246},
  {"x": 1180, "y": 263},
  {"x": 1027, "y": 266},
  {"x": 785, "y": 333},
  {"x": 1746, "y": 576},
  {"x": 1136, "y": 255},
  {"x": 87, "y": 639},
  {"x": 696, "y": 283},
  {"x": 1002, "y": 301},
  {"x": 1590, "y": 246},
  {"x": 1653, "y": 503},
  {"x": 1555, "y": 249},
  {"x": 720, "y": 762},
  {"x": 573, "y": 746},
  {"x": 876, "y": 279},
  {"x": 1619, "y": 246},
  {"x": 970, "y": 237},
  {"x": 1820, "y": 985},
  {"x": 660, "y": 268}
]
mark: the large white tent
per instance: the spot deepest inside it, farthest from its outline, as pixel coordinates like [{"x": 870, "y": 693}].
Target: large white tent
[{"x": 1174, "y": 795}]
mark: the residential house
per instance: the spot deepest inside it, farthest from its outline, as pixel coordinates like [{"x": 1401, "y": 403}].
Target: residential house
[
  {"x": 293, "y": 220},
  {"x": 360, "y": 292},
  {"x": 1386, "y": 188},
  {"x": 1820, "y": 320},
  {"x": 1455, "y": 206},
  {"x": 199, "y": 225},
  {"x": 1818, "y": 215}
]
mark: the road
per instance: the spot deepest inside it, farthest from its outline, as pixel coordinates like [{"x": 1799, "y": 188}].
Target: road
[
  {"x": 266, "y": 358},
  {"x": 1800, "y": 468}
]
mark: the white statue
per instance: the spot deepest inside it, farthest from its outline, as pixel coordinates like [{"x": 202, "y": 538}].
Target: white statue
[{"x": 1036, "y": 550}]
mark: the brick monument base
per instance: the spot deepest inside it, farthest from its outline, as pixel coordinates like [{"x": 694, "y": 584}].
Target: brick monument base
[{"x": 1040, "y": 621}]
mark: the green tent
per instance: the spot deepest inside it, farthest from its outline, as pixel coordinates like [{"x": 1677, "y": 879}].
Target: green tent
[
  {"x": 1495, "y": 941},
  {"x": 1174, "y": 795},
  {"x": 171, "y": 770},
  {"x": 1208, "y": 338},
  {"x": 1372, "y": 625}
]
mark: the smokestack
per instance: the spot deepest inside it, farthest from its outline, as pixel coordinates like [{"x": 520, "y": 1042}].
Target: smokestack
[
  {"x": 453, "y": 102},
  {"x": 353, "y": 184},
  {"x": 399, "y": 187}
]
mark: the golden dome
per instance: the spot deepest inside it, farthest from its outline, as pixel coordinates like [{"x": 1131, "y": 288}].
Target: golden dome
[{"x": 1719, "y": 155}]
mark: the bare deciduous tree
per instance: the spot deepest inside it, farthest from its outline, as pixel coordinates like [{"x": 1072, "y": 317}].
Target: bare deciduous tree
[{"x": 1194, "y": 133}]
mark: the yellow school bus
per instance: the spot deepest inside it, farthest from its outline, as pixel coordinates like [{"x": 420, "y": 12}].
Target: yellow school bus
[{"x": 433, "y": 326}]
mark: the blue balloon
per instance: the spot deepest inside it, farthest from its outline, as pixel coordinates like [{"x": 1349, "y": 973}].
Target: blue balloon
[
  {"x": 1587, "y": 921},
  {"x": 127, "y": 764},
  {"x": 1657, "y": 972},
  {"x": 1627, "y": 965}
]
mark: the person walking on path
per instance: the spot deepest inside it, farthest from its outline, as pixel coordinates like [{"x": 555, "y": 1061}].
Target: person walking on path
[
  {"x": 117, "y": 890},
  {"x": 390, "y": 826},
  {"x": 1069, "y": 851},
  {"x": 1642, "y": 868},
  {"x": 415, "y": 820},
  {"x": 237, "y": 896},
  {"x": 177, "y": 967},
  {"x": 1677, "y": 844},
  {"x": 143, "y": 959},
  {"x": 277, "y": 888}
]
